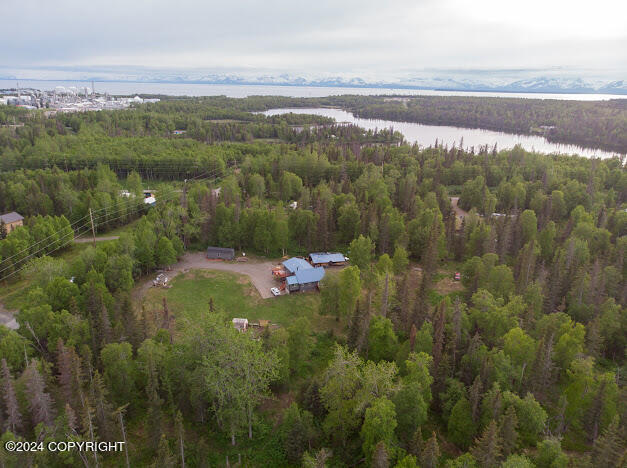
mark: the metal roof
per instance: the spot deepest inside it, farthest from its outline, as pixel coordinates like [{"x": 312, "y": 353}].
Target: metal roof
[
  {"x": 11, "y": 217},
  {"x": 312, "y": 275},
  {"x": 220, "y": 249},
  {"x": 326, "y": 257},
  {"x": 295, "y": 264}
]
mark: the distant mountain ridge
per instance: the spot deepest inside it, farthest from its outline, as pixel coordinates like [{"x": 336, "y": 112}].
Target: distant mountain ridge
[{"x": 475, "y": 82}]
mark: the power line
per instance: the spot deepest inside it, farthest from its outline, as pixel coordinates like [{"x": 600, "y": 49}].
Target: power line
[
  {"x": 163, "y": 199},
  {"x": 54, "y": 250},
  {"x": 71, "y": 232},
  {"x": 40, "y": 241}
]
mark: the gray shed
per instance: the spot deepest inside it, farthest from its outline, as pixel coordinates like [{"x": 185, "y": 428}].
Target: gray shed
[{"x": 220, "y": 253}]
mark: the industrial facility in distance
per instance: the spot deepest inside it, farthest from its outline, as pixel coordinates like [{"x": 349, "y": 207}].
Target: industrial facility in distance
[{"x": 70, "y": 99}]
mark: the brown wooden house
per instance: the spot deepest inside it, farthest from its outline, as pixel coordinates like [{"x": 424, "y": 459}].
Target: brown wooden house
[{"x": 12, "y": 220}]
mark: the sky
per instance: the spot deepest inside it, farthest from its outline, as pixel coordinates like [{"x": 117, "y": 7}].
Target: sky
[{"x": 372, "y": 39}]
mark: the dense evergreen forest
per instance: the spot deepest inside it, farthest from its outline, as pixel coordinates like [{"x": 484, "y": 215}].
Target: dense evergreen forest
[
  {"x": 600, "y": 124},
  {"x": 521, "y": 364},
  {"x": 597, "y": 124}
]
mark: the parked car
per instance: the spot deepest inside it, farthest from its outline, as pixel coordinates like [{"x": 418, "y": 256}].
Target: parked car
[
  {"x": 275, "y": 291},
  {"x": 458, "y": 276}
]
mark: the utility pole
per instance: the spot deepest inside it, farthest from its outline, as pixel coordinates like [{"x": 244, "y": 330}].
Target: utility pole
[
  {"x": 184, "y": 217},
  {"x": 93, "y": 230},
  {"x": 119, "y": 411}
]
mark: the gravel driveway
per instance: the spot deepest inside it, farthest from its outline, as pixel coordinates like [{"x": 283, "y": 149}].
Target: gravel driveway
[{"x": 259, "y": 272}]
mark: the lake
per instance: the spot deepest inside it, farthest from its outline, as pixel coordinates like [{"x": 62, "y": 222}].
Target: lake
[
  {"x": 240, "y": 91},
  {"x": 427, "y": 135}
]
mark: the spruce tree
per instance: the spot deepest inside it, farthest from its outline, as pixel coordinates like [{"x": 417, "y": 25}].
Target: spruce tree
[
  {"x": 509, "y": 435},
  {"x": 180, "y": 437},
  {"x": 594, "y": 338},
  {"x": 39, "y": 401},
  {"x": 474, "y": 396},
  {"x": 384, "y": 295},
  {"x": 89, "y": 424},
  {"x": 431, "y": 453},
  {"x": 354, "y": 331},
  {"x": 102, "y": 411},
  {"x": 65, "y": 365},
  {"x": 412, "y": 337},
  {"x": 487, "y": 449},
  {"x": 527, "y": 265},
  {"x": 380, "y": 457},
  {"x": 609, "y": 448},
  {"x": 104, "y": 330},
  {"x": 417, "y": 443},
  {"x": 461, "y": 427},
  {"x": 164, "y": 457},
  {"x": 70, "y": 416},
  {"x": 312, "y": 401},
  {"x": 439, "y": 322},
  {"x": 154, "y": 415},
  {"x": 595, "y": 412},
  {"x": 543, "y": 367},
  {"x": 421, "y": 305},
  {"x": 404, "y": 295},
  {"x": 13, "y": 422},
  {"x": 431, "y": 255}
]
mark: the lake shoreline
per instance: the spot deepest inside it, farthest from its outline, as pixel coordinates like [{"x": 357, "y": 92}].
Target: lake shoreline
[{"x": 429, "y": 135}]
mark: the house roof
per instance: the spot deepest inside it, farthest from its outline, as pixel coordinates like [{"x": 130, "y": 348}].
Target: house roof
[
  {"x": 311, "y": 275},
  {"x": 220, "y": 249},
  {"x": 295, "y": 264},
  {"x": 11, "y": 217},
  {"x": 326, "y": 257}
]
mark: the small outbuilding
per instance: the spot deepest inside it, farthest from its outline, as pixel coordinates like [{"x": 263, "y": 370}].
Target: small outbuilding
[
  {"x": 220, "y": 253},
  {"x": 240, "y": 324},
  {"x": 12, "y": 220},
  {"x": 327, "y": 258}
]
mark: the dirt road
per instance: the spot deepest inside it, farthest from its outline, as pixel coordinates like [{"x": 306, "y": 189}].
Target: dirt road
[
  {"x": 260, "y": 272},
  {"x": 84, "y": 240},
  {"x": 458, "y": 211}
]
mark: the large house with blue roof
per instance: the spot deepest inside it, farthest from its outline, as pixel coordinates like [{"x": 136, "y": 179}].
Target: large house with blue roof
[
  {"x": 305, "y": 279},
  {"x": 299, "y": 275}
]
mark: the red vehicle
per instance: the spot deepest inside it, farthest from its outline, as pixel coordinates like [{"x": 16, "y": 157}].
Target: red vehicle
[{"x": 458, "y": 276}]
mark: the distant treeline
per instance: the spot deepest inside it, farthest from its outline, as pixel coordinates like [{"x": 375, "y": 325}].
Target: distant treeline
[
  {"x": 594, "y": 124},
  {"x": 600, "y": 124}
]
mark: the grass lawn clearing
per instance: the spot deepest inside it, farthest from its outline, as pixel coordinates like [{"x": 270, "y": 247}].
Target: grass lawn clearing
[{"x": 189, "y": 295}]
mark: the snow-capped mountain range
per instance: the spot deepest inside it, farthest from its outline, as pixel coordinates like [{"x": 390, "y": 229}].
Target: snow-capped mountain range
[{"x": 496, "y": 81}]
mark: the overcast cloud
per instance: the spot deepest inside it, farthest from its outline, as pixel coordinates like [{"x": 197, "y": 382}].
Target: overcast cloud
[{"x": 359, "y": 37}]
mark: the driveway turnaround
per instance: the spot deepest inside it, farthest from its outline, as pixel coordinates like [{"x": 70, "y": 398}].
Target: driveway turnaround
[{"x": 259, "y": 272}]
